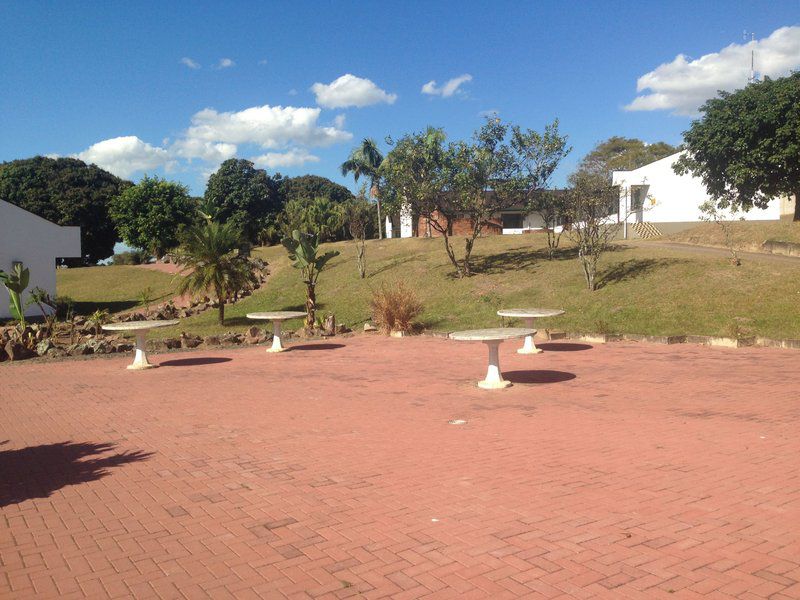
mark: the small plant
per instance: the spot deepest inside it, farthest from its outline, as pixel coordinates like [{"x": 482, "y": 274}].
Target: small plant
[
  {"x": 146, "y": 297},
  {"x": 99, "y": 318},
  {"x": 711, "y": 212},
  {"x": 394, "y": 308},
  {"x": 303, "y": 249},
  {"x": 15, "y": 283},
  {"x": 42, "y": 299}
]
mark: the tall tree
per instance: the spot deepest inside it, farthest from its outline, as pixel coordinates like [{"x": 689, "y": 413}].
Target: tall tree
[
  {"x": 623, "y": 154},
  {"x": 746, "y": 145},
  {"x": 365, "y": 161},
  {"x": 319, "y": 216},
  {"x": 150, "y": 214},
  {"x": 244, "y": 196},
  {"x": 211, "y": 262},
  {"x": 66, "y": 191},
  {"x": 312, "y": 186}
]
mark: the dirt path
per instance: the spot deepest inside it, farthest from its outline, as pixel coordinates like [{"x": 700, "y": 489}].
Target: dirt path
[{"x": 712, "y": 251}]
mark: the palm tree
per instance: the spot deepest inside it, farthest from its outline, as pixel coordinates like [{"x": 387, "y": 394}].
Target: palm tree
[
  {"x": 211, "y": 262},
  {"x": 364, "y": 161}
]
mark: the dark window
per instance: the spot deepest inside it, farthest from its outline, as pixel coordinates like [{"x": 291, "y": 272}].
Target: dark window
[{"x": 512, "y": 221}]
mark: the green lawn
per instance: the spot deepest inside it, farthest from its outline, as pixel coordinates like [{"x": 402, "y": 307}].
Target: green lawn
[
  {"x": 114, "y": 288},
  {"x": 643, "y": 290}
]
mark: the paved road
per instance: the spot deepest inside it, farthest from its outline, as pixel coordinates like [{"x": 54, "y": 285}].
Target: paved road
[{"x": 614, "y": 471}]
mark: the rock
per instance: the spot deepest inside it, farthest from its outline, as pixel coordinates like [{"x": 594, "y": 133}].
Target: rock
[
  {"x": 342, "y": 329},
  {"x": 253, "y": 332},
  {"x": 172, "y": 343},
  {"x": 329, "y": 326},
  {"x": 99, "y": 346},
  {"x": 190, "y": 341},
  {"x": 3, "y": 355},
  {"x": 17, "y": 351},
  {"x": 370, "y": 327},
  {"x": 123, "y": 347},
  {"x": 185, "y": 312},
  {"x": 211, "y": 340},
  {"x": 80, "y": 350},
  {"x": 232, "y": 338},
  {"x": 202, "y": 306},
  {"x": 56, "y": 352},
  {"x": 43, "y": 347}
]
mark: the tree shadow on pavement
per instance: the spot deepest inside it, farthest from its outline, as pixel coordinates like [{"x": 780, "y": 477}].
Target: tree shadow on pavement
[
  {"x": 537, "y": 376},
  {"x": 191, "y": 362},
  {"x": 38, "y": 471},
  {"x": 563, "y": 347}
]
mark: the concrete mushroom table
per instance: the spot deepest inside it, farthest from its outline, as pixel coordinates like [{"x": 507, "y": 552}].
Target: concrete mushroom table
[
  {"x": 277, "y": 317},
  {"x": 493, "y": 338},
  {"x": 529, "y": 314},
  {"x": 140, "y": 328}
]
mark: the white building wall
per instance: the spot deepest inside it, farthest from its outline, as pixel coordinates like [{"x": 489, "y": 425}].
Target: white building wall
[
  {"x": 672, "y": 198},
  {"x": 37, "y": 243}
]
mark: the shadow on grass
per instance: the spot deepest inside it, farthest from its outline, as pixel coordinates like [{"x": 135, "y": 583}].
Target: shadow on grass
[
  {"x": 305, "y": 347},
  {"x": 191, "y": 362},
  {"x": 563, "y": 347},
  {"x": 87, "y": 308},
  {"x": 631, "y": 269},
  {"x": 524, "y": 257},
  {"x": 395, "y": 263},
  {"x": 38, "y": 471},
  {"x": 537, "y": 376}
]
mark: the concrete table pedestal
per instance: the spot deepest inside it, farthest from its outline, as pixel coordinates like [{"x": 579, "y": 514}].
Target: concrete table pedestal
[
  {"x": 140, "y": 329},
  {"x": 529, "y": 315},
  {"x": 277, "y": 317},
  {"x": 493, "y": 338}
]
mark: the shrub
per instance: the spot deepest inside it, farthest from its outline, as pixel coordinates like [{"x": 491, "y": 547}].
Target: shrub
[
  {"x": 133, "y": 257},
  {"x": 394, "y": 307}
]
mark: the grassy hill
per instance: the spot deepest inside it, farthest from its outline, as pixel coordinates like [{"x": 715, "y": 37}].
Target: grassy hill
[
  {"x": 643, "y": 290},
  {"x": 746, "y": 235}
]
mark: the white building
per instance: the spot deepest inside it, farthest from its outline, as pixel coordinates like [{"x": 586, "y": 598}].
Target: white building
[
  {"x": 37, "y": 243},
  {"x": 661, "y": 202}
]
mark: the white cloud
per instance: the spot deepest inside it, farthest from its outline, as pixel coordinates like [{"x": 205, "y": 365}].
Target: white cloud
[
  {"x": 448, "y": 89},
  {"x": 124, "y": 156},
  {"x": 349, "y": 90},
  {"x": 684, "y": 84},
  {"x": 292, "y": 92},
  {"x": 190, "y": 148},
  {"x": 225, "y": 63},
  {"x": 267, "y": 126},
  {"x": 190, "y": 63},
  {"x": 292, "y": 158},
  {"x": 263, "y": 61}
]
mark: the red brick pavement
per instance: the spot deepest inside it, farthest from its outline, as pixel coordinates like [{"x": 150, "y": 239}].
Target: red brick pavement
[{"x": 618, "y": 471}]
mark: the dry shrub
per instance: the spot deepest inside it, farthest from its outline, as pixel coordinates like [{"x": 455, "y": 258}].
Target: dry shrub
[{"x": 394, "y": 307}]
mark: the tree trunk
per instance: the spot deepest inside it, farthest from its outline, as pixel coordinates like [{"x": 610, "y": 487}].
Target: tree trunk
[
  {"x": 221, "y": 315},
  {"x": 311, "y": 305},
  {"x": 452, "y": 255},
  {"x": 373, "y": 191},
  {"x": 797, "y": 205},
  {"x": 361, "y": 259}
]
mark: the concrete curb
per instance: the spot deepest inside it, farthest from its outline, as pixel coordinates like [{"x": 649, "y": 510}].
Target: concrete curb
[{"x": 702, "y": 340}]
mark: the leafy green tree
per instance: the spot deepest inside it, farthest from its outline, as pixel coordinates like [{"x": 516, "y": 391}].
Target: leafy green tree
[
  {"x": 746, "y": 145},
  {"x": 590, "y": 199},
  {"x": 211, "y": 262},
  {"x": 358, "y": 215},
  {"x": 304, "y": 252},
  {"x": 623, "y": 154},
  {"x": 66, "y": 191},
  {"x": 319, "y": 216},
  {"x": 312, "y": 186},
  {"x": 151, "y": 213},
  {"x": 244, "y": 196},
  {"x": 502, "y": 166},
  {"x": 365, "y": 161}
]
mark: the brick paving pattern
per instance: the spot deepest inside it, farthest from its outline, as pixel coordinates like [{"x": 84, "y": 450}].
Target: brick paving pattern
[{"x": 616, "y": 471}]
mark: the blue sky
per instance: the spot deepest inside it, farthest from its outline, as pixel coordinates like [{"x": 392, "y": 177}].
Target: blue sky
[{"x": 148, "y": 83}]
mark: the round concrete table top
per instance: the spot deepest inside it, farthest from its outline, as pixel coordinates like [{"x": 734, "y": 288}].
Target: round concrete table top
[
  {"x": 139, "y": 325},
  {"x": 530, "y": 312},
  {"x": 278, "y": 315},
  {"x": 489, "y": 335}
]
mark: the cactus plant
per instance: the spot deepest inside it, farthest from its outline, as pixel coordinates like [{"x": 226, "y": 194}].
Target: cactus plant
[{"x": 304, "y": 250}]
